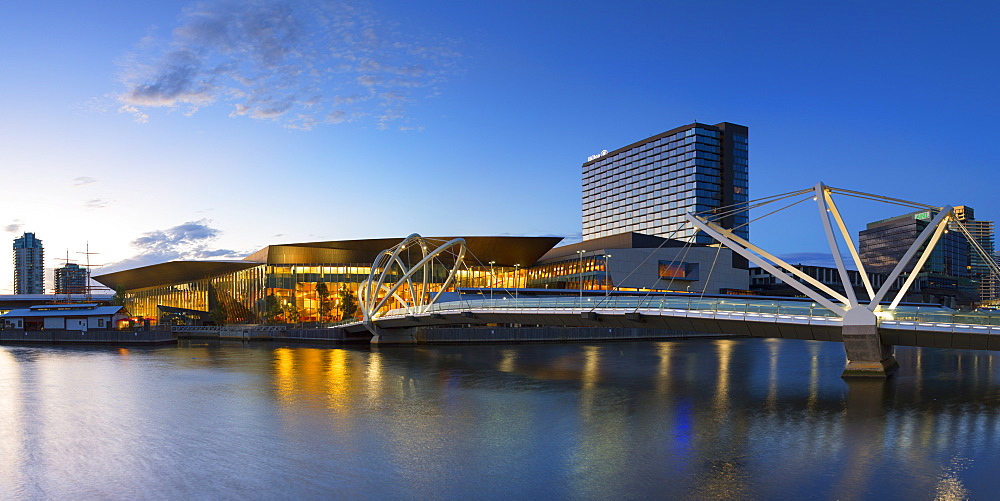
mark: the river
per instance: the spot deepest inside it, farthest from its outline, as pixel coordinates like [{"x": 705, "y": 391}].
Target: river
[{"x": 685, "y": 419}]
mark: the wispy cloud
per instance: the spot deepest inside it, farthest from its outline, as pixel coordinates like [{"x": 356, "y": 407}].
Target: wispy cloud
[
  {"x": 189, "y": 241},
  {"x": 96, "y": 203},
  {"x": 14, "y": 227},
  {"x": 82, "y": 180},
  {"x": 815, "y": 259},
  {"x": 300, "y": 64}
]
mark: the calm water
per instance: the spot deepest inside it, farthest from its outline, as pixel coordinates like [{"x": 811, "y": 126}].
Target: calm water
[{"x": 700, "y": 419}]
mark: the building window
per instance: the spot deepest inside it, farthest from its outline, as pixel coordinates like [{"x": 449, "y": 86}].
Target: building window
[{"x": 674, "y": 270}]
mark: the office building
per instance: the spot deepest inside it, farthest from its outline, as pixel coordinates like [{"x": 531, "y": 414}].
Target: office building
[
  {"x": 945, "y": 277},
  {"x": 648, "y": 186},
  {"x": 71, "y": 279},
  {"x": 29, "y": 272},
  {"x": 981, "y": 270}
]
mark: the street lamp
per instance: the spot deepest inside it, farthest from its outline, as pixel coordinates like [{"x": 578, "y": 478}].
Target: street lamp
[
  {"x": 490, "y": 282},
  {"x": 607, "y": 284},
  {"x": 580, "y": 278},
  {"x": 517, "y": 280}
]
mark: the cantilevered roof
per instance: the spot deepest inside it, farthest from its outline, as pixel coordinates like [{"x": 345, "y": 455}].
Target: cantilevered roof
[
  {"x": 503, "y": 251},
  {"x": 626, "y": 240},
  {"x": 65, "y": 312},
  {"x": 172, "y": 272}
]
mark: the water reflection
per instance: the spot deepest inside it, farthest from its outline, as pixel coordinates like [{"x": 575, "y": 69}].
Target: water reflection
[
  {"x": 12, "y": 468},
  {"x": 705, "y": 419}
]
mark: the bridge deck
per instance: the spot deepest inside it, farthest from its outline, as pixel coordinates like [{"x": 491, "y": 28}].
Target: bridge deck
[{"x": 907, "y": 325}]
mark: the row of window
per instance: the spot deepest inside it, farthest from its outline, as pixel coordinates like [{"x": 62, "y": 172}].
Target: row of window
[
  {"x": 698, "y": 166},
  {"x": 654, "y": 176},
  {"x": 655, "y": 148}
]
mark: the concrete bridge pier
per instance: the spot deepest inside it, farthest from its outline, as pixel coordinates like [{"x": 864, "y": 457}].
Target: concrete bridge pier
[
  {"x": 867, "y": 356},
  {"x": 395, "y": 336}
]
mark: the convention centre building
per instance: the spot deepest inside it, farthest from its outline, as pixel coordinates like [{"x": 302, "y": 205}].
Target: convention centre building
[{"x": 318, "y": 282}]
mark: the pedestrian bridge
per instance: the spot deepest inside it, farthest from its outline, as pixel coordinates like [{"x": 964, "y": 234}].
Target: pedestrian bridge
[
  {"x": 925, "y": 325},
  {"x": 400, "y": 294}
]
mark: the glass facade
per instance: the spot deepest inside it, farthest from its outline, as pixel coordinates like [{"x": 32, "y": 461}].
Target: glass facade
[
  {"x": 284, "y": 293},
  {"x": 649, "y": 186},
  {"x": 946, "y": 276},
  {"x": 29, "y": 269},
  {"x": 980, "y": 267},
  {"x": 883, "y": 243}
]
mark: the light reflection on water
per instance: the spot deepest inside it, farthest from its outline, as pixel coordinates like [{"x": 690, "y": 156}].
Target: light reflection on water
[{"x": 699, "y": 419}]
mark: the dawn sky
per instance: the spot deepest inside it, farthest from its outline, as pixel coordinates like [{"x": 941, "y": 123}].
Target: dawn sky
[{"x": 194, "y": 130}]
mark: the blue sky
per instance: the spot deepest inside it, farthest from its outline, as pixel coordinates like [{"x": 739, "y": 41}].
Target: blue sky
[{"x": 165, "y": 130}]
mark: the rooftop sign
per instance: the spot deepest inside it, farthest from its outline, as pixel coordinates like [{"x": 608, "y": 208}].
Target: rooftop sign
[{"x": 599, "y": 155}]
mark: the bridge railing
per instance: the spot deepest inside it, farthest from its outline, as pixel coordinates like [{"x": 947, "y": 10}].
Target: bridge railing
[
  {"x": 927, "y": 314},
  {"x": 773, "y": 307}
]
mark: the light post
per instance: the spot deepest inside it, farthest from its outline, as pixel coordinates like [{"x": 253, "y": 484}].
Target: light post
[
  {"x": 491, "y": 279},
  {"x": 607, "y": 284},
  {"x": 517, "y": 280},
  {"x": 580, "y": 270}
]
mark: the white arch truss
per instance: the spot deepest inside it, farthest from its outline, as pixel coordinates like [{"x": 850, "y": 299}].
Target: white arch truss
[{"x": 410, "y": 286}]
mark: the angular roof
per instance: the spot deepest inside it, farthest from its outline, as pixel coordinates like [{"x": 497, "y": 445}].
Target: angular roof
[
  {"x": 626, "y": 240},
  {"x": 503, "y": 251},
  {"x": 67, "y": 312},
  {"x": 172, "y": 272}
]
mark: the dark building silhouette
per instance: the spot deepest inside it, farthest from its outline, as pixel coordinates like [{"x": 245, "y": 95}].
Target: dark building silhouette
[{"x": 71, "y": 279}]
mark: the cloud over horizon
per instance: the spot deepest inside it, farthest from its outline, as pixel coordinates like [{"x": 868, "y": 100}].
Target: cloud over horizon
[
  {"x": 824, "y": 259},
  {"x": 189, "y": 241},
  {"x": 300, "y": 64}
]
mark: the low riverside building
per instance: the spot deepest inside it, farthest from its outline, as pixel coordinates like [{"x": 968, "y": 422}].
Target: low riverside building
[
  {"x": 18, "y": 301},
  {"x": 317, "y": 282},
  {"x": 637, "y": 262},
  {"x": 77, "y": 317}
]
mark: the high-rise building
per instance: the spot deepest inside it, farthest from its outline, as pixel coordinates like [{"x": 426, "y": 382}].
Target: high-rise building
[
  {"x": 648, "y": 186},
  {"x": 29, "y": 272},
  {"x": 71, "y": 279},
  {"x": 981, "y": 270},
  {"x": 945, "y": 277}
]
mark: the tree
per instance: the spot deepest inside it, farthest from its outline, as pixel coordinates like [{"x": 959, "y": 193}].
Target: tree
[
  {"x": 219, "y": 315},
  {"x": 348, "y": 306},
  {"x": 324, "y": 299},
  {"x": 291, "y": 312},
  {"x": 119, "y": 298},
  {"x": 271, "y": 309},
  {"x": 216, "y": 310}
]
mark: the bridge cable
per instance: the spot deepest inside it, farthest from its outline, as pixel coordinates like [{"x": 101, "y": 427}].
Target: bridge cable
[
  {"x": 710, "y": 270},
  {"x": 740, "y": 208},
  {"x": 871, "y": 196},
  {"x": 746, "y": 206},
  {"x": 687, "y": 248},
  {"x": 649, "y": 255},
  {"x": 989, "y": 260}
]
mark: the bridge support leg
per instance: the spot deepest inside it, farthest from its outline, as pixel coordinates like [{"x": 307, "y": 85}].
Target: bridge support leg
[
  {"x": 394, "y": 336},
  {"x": 866, "y": 355}
]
